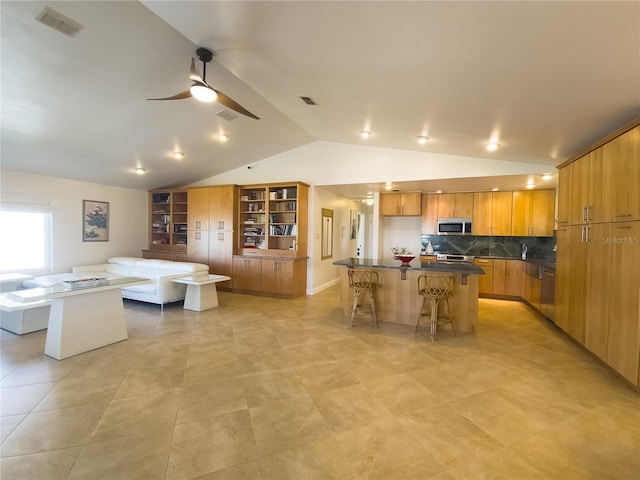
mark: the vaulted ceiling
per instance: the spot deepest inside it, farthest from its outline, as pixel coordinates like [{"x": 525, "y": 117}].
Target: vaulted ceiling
[{"x": 546, "y": 79}]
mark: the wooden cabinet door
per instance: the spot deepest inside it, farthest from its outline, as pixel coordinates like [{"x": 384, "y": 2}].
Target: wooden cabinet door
[
  {"x": 578, "y": 250},
  {"x": 514, "y": 278},
  {"x": 580, "y": 189},
  {"x": 533, "y": 213},
  {"x": 623, "y": 352},
  {"x": 198, "y": 212},
  {"x": 532, "y": 291},
  {"x": 482, "y": 210},
  {"x": 596, "y": 324},
  {"x": 564, "y": 195},
  {"x": 277, "y": 276},
  {"x": 464, "y": 205},
  {"x": 429, "y": 216},
  {"x": 455, "y": 205},
  {"x": 221, "y": 207},
  {"x": 485, "y": 282},
  {"x": 390, "y": 204},
  {"x": 563, "y": 278},
  {"x": 446, "y": 205},
  {"x": 623, "y": 154},
  {"x": 247, "y": 274},
  {"x": 411, "y": 204},
  {"x": 501, "y": 209},
  {"x": 221, "y": 254},
  {"x": 499, "y": 276},
  {"x": 599, "y": 196},
  {"x": 521, "y": 215},
  {"x": 542, "y": 216},
  {"x": 198, "y": 246}
]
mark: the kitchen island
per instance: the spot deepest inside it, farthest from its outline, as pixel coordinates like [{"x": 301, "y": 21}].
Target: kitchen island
[{"x": 397, "y": 298}]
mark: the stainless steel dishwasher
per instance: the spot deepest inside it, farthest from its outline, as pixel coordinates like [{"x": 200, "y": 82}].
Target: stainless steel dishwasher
[{"x": 547, "y": 293}]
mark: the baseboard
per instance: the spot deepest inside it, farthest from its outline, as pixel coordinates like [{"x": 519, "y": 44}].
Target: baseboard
[{"x": 324, "y": 286}]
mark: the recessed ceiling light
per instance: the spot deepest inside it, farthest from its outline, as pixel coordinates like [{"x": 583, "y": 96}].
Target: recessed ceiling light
[
  {"x": 178, "y": 155},
  {"x": 223, "y": 137},
  {"x": 365, "y": 133},
  {"x": 422, "y": 139},
  {"x": 492, "y": 146},
  {"x": 547, "y": 176},
  {"x": 530, "y": 184},
  {"x": 140, "y": 170},
  {"x": 495, "y": 189},
  {"x": 438, "y": 191}
]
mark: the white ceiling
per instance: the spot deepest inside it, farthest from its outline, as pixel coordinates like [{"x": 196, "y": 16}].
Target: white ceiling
[{"x": 546, "y": 78}]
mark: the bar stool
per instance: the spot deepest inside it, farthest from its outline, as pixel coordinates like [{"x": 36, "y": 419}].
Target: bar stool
[
  {"x": 434, "y": 289},
  {"x": 363, "y": 281}
]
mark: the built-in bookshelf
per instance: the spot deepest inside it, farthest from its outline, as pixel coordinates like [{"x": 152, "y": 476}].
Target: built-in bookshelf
[
  {"x": 168, "y": 220},
  {"x": 269, "y": 220},
  {"x": 252, "y": 213}
]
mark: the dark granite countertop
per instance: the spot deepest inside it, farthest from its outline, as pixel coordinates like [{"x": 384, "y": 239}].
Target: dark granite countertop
[{"x": 415, "y": 264}]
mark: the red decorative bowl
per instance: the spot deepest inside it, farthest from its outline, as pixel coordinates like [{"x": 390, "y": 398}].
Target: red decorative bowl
[{"x": 405, "y": 259}]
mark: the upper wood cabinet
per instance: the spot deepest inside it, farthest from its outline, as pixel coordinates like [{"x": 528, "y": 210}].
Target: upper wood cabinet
[
  {"x": 400, "y": 204},
  {"x": 623, "y": 156},
  {"x": 482, "y": 210},
  {"x": 429, "y": 213},
  {"x": 455, "y": 205},
  {"x": 533, "y": 213},
  {"x": 198, "y": 215},
  {"x": 590, "y": 180},
  {"x": 602, "y": 185},
  {"x": 564, "y": 195},
  {"x": 492, "y": 213}
]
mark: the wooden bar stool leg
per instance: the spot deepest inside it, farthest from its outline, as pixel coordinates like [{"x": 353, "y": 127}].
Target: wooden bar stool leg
[
  {"x": 424, "y": 301},
  {"x": 354, "y": 309},
  {"x": 373, "y": 309},
  {"x": 434, "y": 318}
]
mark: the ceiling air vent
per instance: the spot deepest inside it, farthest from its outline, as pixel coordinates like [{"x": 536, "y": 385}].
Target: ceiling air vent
[
  {"x": 308, "y": 100},
  {"x": 227, "y": 115},
  {"x": 59, "y": 22}
]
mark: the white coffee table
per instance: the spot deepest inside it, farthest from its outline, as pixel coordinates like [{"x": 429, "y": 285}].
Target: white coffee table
[
  {"x": 201, "y": 291},
  {"x": 82, "y": 319}
]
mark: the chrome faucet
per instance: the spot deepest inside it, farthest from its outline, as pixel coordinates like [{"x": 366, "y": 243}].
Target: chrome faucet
[{"x": 524, "y": 251}]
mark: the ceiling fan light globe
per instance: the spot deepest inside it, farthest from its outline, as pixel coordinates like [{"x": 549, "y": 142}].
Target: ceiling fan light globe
[{"x": 203, "y": 93}]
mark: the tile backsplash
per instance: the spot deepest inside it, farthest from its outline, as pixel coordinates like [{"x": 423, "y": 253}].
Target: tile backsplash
[{"x": 538, "y": 248}]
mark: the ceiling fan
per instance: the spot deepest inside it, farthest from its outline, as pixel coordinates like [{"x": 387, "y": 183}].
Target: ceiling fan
[{"x": 204, "y": 92}]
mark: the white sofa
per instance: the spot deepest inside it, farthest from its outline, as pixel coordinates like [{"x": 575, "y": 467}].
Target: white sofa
[{"x": 161, "y": 291}]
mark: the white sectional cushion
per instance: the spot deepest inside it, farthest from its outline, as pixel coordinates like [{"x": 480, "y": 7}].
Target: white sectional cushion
[
  {"x": 51, "y": 280},
  {"x": 149, "y": 288}
]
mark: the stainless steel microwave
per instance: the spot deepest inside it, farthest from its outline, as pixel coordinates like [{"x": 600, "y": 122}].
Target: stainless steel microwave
[{"x": 454, "y": 226}]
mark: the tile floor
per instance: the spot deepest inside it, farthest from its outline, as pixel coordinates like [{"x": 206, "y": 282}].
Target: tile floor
[{"x": 272, "y": 389}]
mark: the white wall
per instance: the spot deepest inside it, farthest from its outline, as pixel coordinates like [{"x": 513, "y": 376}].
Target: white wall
[
  {"x": 128, "y": 218},
  {"x": 328, "y": 163}
]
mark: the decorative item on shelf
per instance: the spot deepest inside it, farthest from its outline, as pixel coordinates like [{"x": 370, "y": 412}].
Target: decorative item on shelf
[
  {"x": 429, "y": 248},
  {"x": 402, "y": 254}
]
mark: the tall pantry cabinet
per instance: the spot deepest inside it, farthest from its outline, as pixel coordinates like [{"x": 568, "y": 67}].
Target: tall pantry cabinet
[{"x": 598, "y": 250}]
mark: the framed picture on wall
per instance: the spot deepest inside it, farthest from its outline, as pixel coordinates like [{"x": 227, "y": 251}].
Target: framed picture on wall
[{"x": 95, "y": 221}]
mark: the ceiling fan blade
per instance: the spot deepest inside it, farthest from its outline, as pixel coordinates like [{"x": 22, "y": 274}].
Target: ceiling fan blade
[
  {"x": 177, "y": 96},
  {"x": 194, "y": 74},
  {"x": 233, "y": 105}
]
